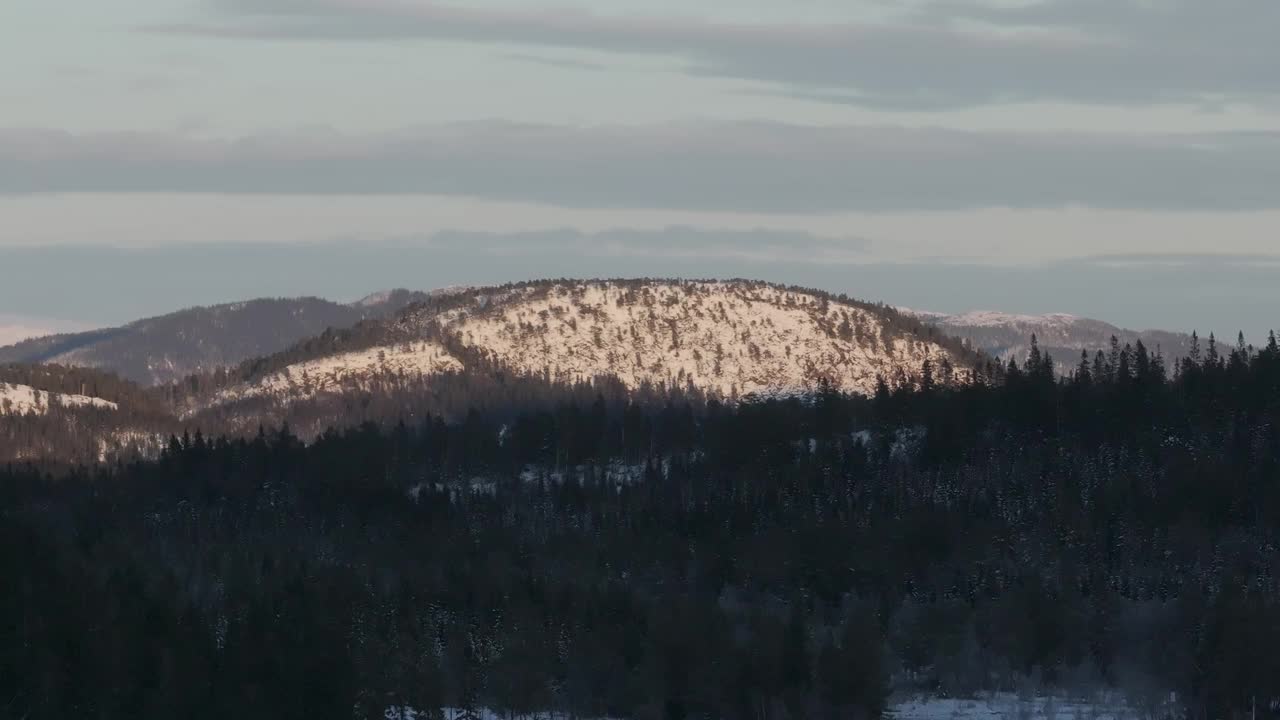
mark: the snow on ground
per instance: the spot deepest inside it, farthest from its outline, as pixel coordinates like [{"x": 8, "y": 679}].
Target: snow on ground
[
  {"x": 307, "y": 379},
  {"x": 734, "y": 338},
  {"x": 24, "y": 400},
  {"x": 395, "y": 713},
  {"x": 614, "y": 471},
  {"x": 119, "y": 442},
  {"x": 1010, "y": 706},
  {"x": 1005, "y": 706},
  {"x": 922, "y": 314},
  {"x": 991, "y": 318},
  {"x": 988, "y": 318}
]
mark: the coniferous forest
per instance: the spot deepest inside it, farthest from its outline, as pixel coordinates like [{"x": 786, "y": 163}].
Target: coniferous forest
[{"x": 674, "y": 558}]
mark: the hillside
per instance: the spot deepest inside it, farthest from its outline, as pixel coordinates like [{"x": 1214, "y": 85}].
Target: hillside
[
  {"x": 69, "y": 414},
  {"x": 1006, "y": 335},
  {"x": 729, "y": 339},
  {"x": 165, "y": 348},
  {"x": 24, "y": 399}
]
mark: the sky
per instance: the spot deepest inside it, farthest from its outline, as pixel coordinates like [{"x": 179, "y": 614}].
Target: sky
[{"x": 1112, "y": 158}]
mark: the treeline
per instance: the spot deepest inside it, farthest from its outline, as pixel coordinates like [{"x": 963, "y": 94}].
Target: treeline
[
  {"x": 71, "y": 380},
  {"x": 60, "y": 435},
  {"x": 795, "y": 558},
  {"x": 386, "y": 398}
]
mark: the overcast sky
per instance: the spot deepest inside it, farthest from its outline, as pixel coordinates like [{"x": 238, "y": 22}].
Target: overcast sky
[{"x": 1009, "y": 155}]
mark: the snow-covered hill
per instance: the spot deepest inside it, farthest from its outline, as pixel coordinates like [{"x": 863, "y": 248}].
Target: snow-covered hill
[
  {"x": 24, "y": 399},
  {"x": 731, "y": 338},
  {"x": 346, "y": 370}
]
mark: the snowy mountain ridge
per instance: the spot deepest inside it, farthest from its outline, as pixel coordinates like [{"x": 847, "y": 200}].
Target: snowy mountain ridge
[
  {"x": 346, "y": 371},
  {"x": 1006, "y": 335},
  {"x": 730, "y": 338},
  {"x": 991, "y": 318}
]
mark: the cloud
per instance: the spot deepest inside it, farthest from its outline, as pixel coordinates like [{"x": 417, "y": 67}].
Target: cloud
[
  {"x": 736, "y": 167},
  {"x": 943, "y": 54},
  {"x": 1186, "y": 261},
  {"x": 673, "y": 242},
  {"x": 558, "y": 62}
]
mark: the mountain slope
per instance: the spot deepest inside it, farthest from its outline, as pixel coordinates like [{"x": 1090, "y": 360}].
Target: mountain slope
[
  {"x": 73, "y": 414},
  {"x": 166, "y": 348},
  {"x": 1006, "y": 335},
  {"x": 731, "y": 338},
  {"x": 23, "y": 400},
  {"x": 727, "y": 338}
]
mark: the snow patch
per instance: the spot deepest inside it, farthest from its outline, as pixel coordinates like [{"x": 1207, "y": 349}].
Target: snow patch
[
  {"x": 120, "y": 443},
  {"x": 1011, "y": 706},
  {"x": 25, "y": 400},
  {"x": 732, "y": 338},
  {"x": 992, "y": 319},
  {"x": 353, "y": 369},
  {"x": 1001, "y": 706}
]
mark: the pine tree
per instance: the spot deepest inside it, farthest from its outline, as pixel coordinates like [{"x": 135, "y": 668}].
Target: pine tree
[
  {"x": 1113, "y": 359},
  {"x": 1100, "y": 370},
  {"x": 1033, "y": 358},
  {"x": 1083, "y": 375},
  {"x": 1142, "y": 364}
]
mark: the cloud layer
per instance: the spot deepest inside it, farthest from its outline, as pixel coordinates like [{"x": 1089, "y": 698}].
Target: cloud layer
[
  {"x": 735, "y": 167},
  {"x": 942, "y": 54},
  {"x": 669, "y": 243}
]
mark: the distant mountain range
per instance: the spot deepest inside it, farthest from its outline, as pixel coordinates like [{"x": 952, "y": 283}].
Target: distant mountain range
[
  {"x": 169, "y": 347},
  {"x": 1006, "y": 335},
  {"x": 315, "y": 364}
]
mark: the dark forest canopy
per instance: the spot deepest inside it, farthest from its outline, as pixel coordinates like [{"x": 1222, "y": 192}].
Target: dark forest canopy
[{"x": 782, "y": 558}]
